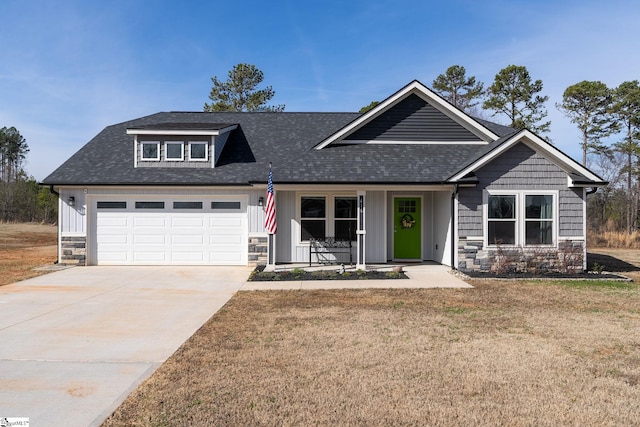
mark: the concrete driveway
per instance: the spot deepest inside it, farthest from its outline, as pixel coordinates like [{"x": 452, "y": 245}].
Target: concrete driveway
[{"x": 75, "y": 343}]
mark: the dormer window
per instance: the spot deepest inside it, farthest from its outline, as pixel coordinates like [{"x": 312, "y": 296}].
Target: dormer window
[
  {"x": 150, "y": 151},
  {"x": 192, "y": 145},
  {"x": 198, "y": 151},
  {"x": 174, "y": 151}
]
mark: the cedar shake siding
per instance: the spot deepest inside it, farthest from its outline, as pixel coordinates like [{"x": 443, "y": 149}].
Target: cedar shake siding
[{"x": 521, "y": 168}]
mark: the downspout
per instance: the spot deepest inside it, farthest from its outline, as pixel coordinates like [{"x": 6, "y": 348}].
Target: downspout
[
  {"x": 592, "y": 190},
  {"x": 453, "y": 226},
  {"x": 52, "y": 191}
]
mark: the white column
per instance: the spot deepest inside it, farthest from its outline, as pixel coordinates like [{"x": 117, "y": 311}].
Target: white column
[{"x": 361, "y": 232}]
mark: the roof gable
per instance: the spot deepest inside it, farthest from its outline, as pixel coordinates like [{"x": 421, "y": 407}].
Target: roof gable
[
  {"x": 414, "y": 114},
  {"x": 413, "y": 119},
  {"x": 582, "y": 175}
]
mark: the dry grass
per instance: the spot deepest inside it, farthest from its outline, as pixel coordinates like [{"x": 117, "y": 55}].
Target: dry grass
[
  {"x": 24, "y": 247},
  {"x": 514, "y": 353},
  {"x": 614, "y": 239}
]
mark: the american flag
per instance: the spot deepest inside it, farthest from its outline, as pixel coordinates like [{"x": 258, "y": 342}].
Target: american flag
[{"x": 270, "y": 220}]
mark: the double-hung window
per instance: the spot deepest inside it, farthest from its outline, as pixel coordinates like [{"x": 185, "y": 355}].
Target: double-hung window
[
  {"x": 525, "y": 218},
  {"x": 345, "y": 218},
  {"x": 501, "y": 219},
  {"x": 328, "y": 216},
  {"x": 313, "y": 217},
  {"x": 538, "y": 219}
]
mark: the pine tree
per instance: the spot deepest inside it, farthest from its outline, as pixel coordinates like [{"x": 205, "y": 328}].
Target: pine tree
[{"x": 516, "y": 96}]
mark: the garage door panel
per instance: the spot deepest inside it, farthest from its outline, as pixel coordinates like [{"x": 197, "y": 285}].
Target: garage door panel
[
  {"x": 110, "y": 220},
  {"x": 149, "y": 239},
  {"x": 188, "y": 222},
  {"x": 230, "y": 239},
  {"x": 149, "y": 221},
  {"x": 171, "y": 237},
  {"x": 191, "y": 257},
  {"x": 112, "y": 238},
  {"x": 221, "y": 222},
  {"x": 186, "y": 239},
  {"x": 151, "y": 256},
  {"x": 113, "y": 257}
]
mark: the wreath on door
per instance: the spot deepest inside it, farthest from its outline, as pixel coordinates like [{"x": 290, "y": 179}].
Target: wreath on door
[{"x": 407, "y": 221}]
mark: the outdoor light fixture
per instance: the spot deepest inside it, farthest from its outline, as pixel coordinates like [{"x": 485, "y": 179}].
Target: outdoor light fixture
[
  {"x": 71, "y": 201},
  {"x": 261, "y": 201}
]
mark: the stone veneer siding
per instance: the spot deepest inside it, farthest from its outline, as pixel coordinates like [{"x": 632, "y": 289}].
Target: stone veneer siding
[
  {"x": 566, "y": 258},
  {"x": 258, "y": 248},
  {"x": 74, "y": 250}
]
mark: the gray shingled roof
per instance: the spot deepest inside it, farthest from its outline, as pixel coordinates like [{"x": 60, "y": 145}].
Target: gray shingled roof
[{"x": 285, "y": 139}]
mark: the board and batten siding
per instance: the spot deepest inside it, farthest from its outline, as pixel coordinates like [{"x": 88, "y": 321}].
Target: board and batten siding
[
  {"x": 286, "y": 214},
  {"x": 413, "y": 119},
  {"x": 375, "y": 225},
  {"x": 72, "y": 218},
  {"x": 288, "y": 249},
  {"x": 521, "y": 168}
]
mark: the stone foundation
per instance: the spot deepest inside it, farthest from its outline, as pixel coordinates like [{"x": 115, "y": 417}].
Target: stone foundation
[
  {"x": 568, "y": 257},
  {"x": 258, "y": 248},
  {"x": 74, "y": 250}
]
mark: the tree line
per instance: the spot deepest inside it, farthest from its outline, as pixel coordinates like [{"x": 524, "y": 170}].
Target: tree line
[{"x": 21, "y": 198}]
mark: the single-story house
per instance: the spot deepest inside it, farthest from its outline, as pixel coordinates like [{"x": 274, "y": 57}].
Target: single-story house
[{"x": 413, "y": 179}]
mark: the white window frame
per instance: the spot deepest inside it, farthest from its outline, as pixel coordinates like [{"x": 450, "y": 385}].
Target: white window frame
[
  {"x": 166, "y": 151},
  {"x": 520, "y": 195},
  {"x": 150, "y": 159},
  {"x": 355, "y": 218},
  {"x": 206, "y": 151},
  {"x": 329, "y": 218}
]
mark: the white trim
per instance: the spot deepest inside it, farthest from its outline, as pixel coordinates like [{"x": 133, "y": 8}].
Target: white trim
[
  {"x": 185, "y": 132},
  {"x": 135, "y": 151},
  {"x": 537, "y": 144},
  {"x": 570, "y": 238},
  {"x": 393, "y": 142},
  {"x": 417, "y": 88},
  {"x": 520, "y": 220},
  {"x": 166, "y": 151},
  {"x": 149, "y": 159},
  {"x": 206, "y": 151}
]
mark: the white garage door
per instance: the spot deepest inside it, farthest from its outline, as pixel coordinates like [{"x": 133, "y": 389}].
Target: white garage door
[{"x": 138, "y": 231}]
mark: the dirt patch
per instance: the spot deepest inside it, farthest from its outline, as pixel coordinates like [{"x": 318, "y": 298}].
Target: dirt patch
[
  {"x": 503, "y": 353},
  {"x": 24, "y": 247}
]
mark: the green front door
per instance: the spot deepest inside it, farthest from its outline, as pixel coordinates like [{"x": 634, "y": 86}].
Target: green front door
[{"x": 407, "y": 226}]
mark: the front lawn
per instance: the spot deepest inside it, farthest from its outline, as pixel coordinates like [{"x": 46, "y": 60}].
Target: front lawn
[{"x": 503, "y": 353}]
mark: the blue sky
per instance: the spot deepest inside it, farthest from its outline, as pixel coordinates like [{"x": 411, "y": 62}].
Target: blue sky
[{"x": 71, "y": 68}]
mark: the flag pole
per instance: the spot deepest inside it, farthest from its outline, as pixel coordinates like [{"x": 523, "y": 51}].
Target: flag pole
[{"x": 270, "y": 223}]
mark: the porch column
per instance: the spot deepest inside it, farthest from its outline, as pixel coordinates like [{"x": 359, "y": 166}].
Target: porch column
[{"x": 361, "y": 232}]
